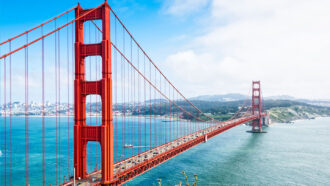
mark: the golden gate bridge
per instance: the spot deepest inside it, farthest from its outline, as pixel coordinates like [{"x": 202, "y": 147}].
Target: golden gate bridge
[{"x": 121, "y": 100}]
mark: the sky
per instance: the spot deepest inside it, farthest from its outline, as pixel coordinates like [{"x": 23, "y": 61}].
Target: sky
[{"x": 208, "y": 47}]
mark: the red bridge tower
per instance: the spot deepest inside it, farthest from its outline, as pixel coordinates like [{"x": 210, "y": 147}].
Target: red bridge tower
[
  {"x": 84, "y": 133},
  {"x": 256, "y": 106}
]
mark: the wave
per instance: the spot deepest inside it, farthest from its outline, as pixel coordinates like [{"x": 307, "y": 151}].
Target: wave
[{"x": 0, "y": 153}]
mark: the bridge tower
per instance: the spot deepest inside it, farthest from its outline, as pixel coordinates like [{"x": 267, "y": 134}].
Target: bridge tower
[
  {"x": 256, "y": 106},
  {"x": 83, "y": 133}
]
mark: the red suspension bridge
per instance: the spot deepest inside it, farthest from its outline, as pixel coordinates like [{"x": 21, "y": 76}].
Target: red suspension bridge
[{"x": 122, "y": 103}]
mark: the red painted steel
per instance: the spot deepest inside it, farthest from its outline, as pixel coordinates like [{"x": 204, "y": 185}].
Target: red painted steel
[
  {"x": 82, "y": 132},
  {"x": 124, "y": 176},
  {"x": 256, "y": 106}
]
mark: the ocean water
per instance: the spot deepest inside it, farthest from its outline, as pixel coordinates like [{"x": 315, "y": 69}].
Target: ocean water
[
  {"x": 289, "y": 154},
  {"x": 62, "y": 153}
]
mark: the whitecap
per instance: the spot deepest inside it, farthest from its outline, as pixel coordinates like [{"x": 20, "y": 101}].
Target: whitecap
[{"x": 0, "y": 153}]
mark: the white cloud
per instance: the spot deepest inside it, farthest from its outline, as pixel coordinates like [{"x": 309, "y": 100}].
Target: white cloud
[
  {"x": 183, "y": 7},
  {"x": 283, "y": 43}
]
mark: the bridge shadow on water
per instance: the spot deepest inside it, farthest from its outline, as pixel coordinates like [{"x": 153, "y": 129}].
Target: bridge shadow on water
[
  {"x": 234, "y": 167},
  {"x": 221, "y": 159}
]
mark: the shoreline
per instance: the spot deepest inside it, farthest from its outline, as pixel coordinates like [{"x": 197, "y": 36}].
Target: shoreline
[
  {"x": 165, "y": 118},
  {"x": 299, "y": 119},
  {"x": 292, "y": 113}
]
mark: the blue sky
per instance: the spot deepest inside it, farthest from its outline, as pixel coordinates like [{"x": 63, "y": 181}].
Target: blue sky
[
  {"x": 216, "y": 46},
  {"x": 148, "y": 20},
  {"x": 158, "y": 32}
]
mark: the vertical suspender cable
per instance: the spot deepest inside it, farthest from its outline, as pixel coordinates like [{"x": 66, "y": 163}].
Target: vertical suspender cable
[
  {"x": 59, "y": 105},
  {"x": 129, "y": 122},
  {"x": 139, "y": 124},
  {"x": 68, "y": 82},
  {"x": 151, "y": 142},
  {"x": 145, "y": 122},
  {"x": 124, "y": 86},
  {"x": 5, "y": 115},
  {"x": 56, "y": 99},
  {"x": 164, "y": 117},
  {"x": 122, "y": 107},
  {"x": 43, "y": 105},
  {"x": 132, "y": 121},
  {"x": 168, "y": 120},
  {"x": 72, "y": 68},
  {"x": 152, "y": 110},
  {"x": 177, "y": 116},
  {"x": 116, "y": 96},
  {"x": 161, "y": 108},
  {"x": 133, "y": 100},
  {"x": 173, "y": 116},
  {"x": 26, "y": 113},
  {"x": 157, "y": 124},
  {"x": 10, "y": 120},
  {"x": 166, "y": 111},
  {"x": 165, "y": 105},
  {"x": 170, "y": 114}
]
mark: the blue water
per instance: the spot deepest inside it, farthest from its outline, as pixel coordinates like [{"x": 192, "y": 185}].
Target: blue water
[
  {"x": 289, "y": 154},
  {"x": 132, "y": 127}
]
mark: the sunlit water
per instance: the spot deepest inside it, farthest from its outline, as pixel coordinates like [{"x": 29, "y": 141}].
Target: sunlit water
[
  {"x": 130, "y": 126},
  {"x": 289, "y": 154}
]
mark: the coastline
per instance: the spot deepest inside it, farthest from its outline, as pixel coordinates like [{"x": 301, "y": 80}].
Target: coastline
[
  {"x": 165, "y": 118},
  {"x": 291, "y": 114}
]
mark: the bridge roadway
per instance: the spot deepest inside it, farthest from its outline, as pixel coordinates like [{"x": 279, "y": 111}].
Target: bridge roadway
[{"x": 129, "y": 168}]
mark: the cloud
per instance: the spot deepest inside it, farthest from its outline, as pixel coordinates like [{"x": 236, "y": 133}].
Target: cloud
[
  {"x": 283, "y": 43},
  {"x": 184, "y": 7}
]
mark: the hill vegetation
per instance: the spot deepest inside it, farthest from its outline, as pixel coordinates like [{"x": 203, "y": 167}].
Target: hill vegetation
[{"x": 282, "y": 111}]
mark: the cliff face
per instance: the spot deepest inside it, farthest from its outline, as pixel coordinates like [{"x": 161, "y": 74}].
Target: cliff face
[{"x": 288, "y": 114}]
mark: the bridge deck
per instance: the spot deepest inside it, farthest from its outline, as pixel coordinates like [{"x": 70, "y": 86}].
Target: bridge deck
[{"x": 136, "y": 165}]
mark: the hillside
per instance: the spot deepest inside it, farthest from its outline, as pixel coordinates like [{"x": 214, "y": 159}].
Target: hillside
[
  {"x": 280, "y": 111},
  {"x": 288, "y": 114},
  {"x": 220, "y": 98}
]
